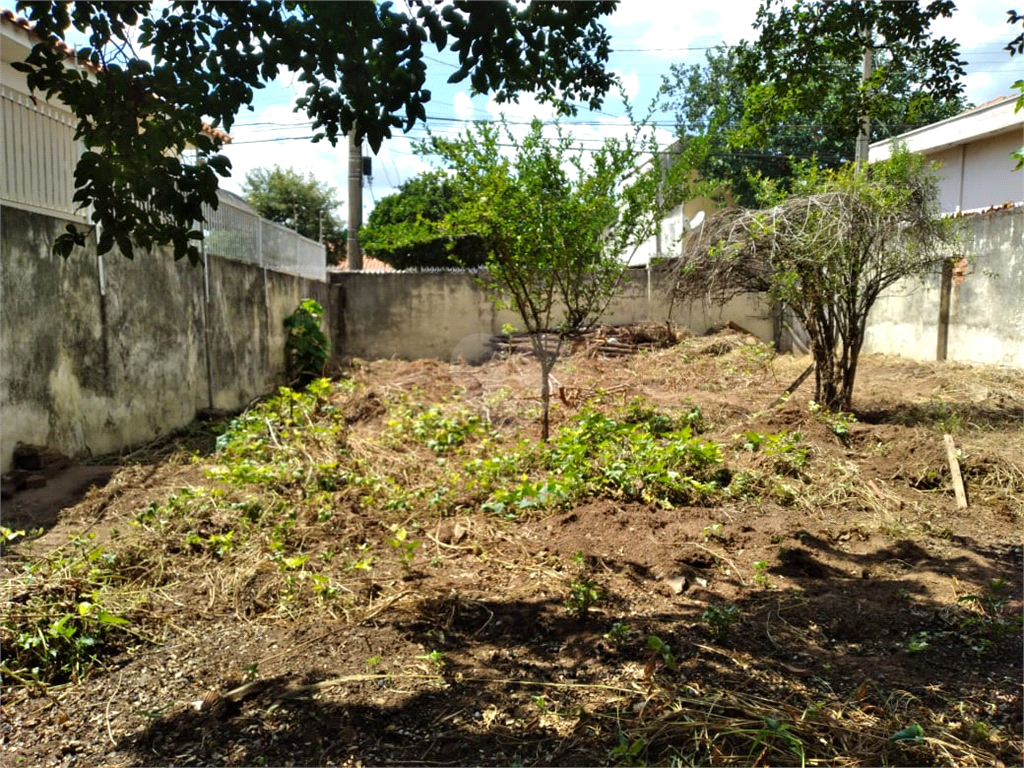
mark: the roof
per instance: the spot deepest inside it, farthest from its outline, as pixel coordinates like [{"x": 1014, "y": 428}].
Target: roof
[
  {"x": 11, "y": 19},
  {"x": 988, "y": 119},
  {"x": 370, "y": 264}
]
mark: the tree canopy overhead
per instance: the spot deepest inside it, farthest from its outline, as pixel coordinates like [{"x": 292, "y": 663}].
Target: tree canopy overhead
[
  {"x": 363, "y": 64},
  {"x": 801, "y": 44}
]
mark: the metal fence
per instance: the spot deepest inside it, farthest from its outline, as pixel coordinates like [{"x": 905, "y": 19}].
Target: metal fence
[
  {"x": 39, "y": 154},
  {"x": 235, "y": 231}
]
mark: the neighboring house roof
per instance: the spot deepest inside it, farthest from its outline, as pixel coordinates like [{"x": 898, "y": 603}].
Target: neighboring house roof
[
  {"x": 13, "y": 21},
  {"x": 989, "y": 119},
  {"x": 370, "y": 264}
]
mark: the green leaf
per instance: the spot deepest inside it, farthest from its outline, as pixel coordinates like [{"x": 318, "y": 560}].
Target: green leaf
[{"x": 910, "y": 733}]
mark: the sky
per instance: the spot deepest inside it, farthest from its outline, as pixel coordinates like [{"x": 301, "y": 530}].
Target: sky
[{"x": 647, "y": 38}]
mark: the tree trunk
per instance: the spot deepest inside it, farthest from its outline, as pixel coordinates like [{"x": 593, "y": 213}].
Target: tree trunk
[
  {"x": 850, "y": 369},
  {"x": 827, "y": 374},
  {"x": 545, "y": 397}
]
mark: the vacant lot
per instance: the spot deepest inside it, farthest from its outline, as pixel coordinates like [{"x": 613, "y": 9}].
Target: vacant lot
[{"x": 390, "y": 570}]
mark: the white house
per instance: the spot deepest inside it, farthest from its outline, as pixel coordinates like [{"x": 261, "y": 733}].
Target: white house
[
  {"x": 38, "y": 151},
  {"x": 974, "y": 149}
]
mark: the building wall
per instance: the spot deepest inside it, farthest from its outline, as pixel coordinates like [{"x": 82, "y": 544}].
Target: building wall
[
  {"x": 448, "y": 316},
  {"x": 986, "y": 314},
  {"x": 990, "y": 178},
  {"x": 979, "y": 174},
  {"x": 951, "y": 162},
  {"x": 90, "y": 368}
]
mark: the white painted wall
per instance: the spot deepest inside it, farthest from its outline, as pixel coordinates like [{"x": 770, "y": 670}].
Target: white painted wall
[{"x": 989, "y": 178}]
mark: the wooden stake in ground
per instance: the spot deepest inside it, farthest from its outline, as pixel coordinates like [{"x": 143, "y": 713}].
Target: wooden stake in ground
[{"x": 954, "y": 470}]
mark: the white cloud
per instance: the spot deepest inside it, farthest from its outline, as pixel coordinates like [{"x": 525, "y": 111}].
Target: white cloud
[
  {"x": 975, "y": 24},
  {"x": 677, "y": 31},
  {"x": 463, "y": 106}
]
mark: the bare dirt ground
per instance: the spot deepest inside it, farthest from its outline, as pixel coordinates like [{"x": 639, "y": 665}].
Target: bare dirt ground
[{"x": 819, "y": 597}]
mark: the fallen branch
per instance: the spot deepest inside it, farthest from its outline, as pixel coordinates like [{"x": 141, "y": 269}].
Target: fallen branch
[{"x": 793, "y": 387}]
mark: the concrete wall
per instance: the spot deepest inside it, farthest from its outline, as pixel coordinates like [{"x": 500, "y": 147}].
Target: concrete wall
[
  {"x": 90, "y": 371},
  {"x": 448, "y": 316},
  {"x": 986, "y": 314}
]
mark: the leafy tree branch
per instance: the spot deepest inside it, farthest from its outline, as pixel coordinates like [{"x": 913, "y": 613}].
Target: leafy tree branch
[{"x": 363, "y": 65}]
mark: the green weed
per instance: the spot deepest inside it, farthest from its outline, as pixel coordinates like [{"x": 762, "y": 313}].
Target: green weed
[
  {"x": 761, "y": 577},
  {"x": 713, "y": 532},
  {"x": 991, "y": 619},
  {"x": 618, "y": 634},
  {"x": 663, "y": 649},
  {"x": 403, "y": 545},
  {"x": 436, "y": 659},
  {"x": 438, "y": 430},
  {"x": 583, "y": 595},
  {"x": 59, "y": 633},
  {"x": 720, "y": 618},
  {"x": 785, "y": 448},
  {"x": 628, "y": 750},
  {"x": 917, "y": 642}
]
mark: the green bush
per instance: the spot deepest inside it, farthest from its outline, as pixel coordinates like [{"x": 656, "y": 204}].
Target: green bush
[{"x": 306, "y": 348}]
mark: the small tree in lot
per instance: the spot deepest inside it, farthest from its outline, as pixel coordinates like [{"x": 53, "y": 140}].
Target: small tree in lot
[
  {"x": 827, "y": 251},
  {"x": 555, "y": 223}
]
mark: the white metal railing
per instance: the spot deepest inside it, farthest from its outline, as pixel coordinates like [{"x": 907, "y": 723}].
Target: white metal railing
[
  {"x": 233, "y": 232},
  {"x": 39, "y": 155}
]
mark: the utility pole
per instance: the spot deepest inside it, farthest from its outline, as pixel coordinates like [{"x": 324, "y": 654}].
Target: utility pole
[
  {"x": 866, "y": 69},
  {"x": 354, "y": 257}
]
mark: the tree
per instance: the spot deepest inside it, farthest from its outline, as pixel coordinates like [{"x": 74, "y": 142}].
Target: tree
[
  {"x": 554, "y": 222},
  {"x": 827, "y": 252},
  {"x": 1016, "y": 46},
  {"x": 402, "y": 231},
  {"x": 145, "y": 97},
  {"x": 732, "y": 126},
  {"x": 790, "y": 68},
  {"x": 708, "y": 103},
  {"x": 297, "y": 201}
]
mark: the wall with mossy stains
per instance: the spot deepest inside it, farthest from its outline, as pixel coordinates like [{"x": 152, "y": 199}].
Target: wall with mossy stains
[{"x": 100, "y": 354}]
